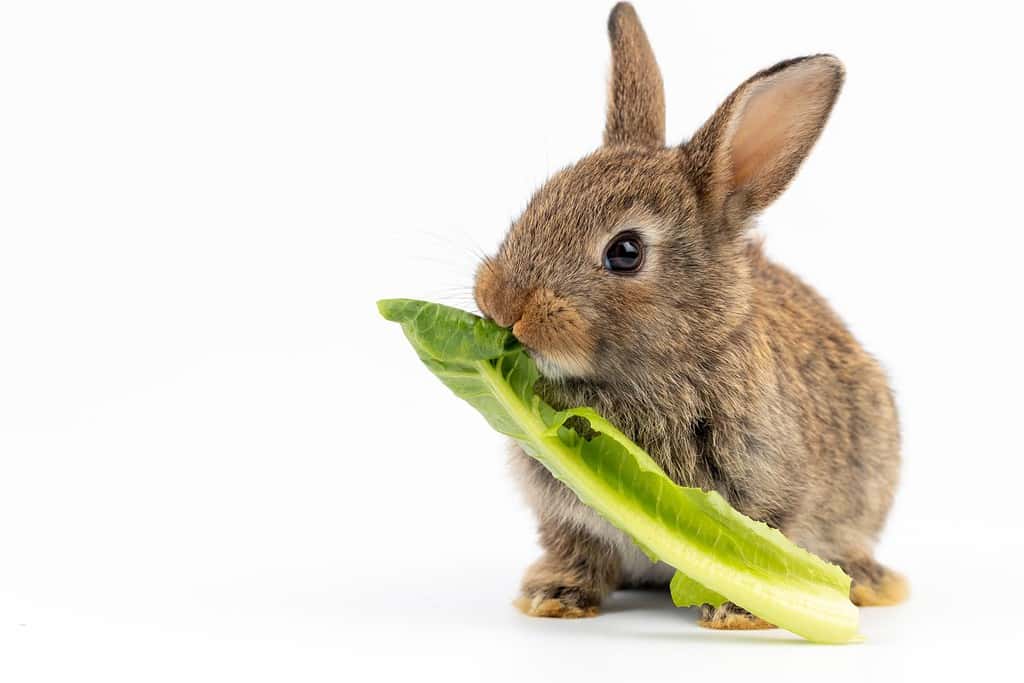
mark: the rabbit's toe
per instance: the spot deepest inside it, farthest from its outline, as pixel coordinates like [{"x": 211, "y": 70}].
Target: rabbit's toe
[{"x": 730, "y": 617}]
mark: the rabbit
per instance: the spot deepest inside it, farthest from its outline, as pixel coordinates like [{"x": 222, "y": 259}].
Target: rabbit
[{"x": 632, "y": 281}]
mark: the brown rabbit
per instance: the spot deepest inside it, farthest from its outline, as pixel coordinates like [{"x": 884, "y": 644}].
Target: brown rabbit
[{"x": 632, "y": 281}]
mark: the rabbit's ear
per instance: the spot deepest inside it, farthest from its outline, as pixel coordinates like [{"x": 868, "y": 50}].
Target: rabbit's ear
[
  {"x": 636, "y": 98},
  {"x": 753, "y": 145}
]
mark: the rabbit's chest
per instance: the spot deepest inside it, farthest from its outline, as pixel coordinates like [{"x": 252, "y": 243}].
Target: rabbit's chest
[{"x": 552, "y": 499}]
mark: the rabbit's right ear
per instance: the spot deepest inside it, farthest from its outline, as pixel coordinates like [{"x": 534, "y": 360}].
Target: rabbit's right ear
[
  {"x": 636, "y": 96},
  {"x": 751, "y": 148}
]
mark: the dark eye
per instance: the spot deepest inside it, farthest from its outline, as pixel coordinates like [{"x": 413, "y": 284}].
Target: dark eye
[{"x": 624, "y": 254}]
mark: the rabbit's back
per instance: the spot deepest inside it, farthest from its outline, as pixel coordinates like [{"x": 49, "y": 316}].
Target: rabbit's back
[{"x": 838, "y": 398}]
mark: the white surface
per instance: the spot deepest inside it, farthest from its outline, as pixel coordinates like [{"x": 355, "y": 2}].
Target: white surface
[{"x": 217, "y": 463}]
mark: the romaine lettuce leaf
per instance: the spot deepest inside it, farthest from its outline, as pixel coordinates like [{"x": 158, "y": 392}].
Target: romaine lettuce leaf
[{"x": 719, "y": 553}]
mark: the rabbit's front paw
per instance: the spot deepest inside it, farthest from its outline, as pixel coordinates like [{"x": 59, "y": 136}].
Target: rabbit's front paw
[{"x": 561, "y": 602}]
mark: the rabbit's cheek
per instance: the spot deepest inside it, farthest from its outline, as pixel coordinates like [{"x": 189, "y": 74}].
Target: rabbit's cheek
[{"x": 557, "y": 336}]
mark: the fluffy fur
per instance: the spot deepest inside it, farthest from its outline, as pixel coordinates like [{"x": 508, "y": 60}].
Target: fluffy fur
[{"x": 732, "y": 373}]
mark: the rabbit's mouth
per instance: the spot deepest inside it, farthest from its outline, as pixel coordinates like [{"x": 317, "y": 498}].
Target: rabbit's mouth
[{"x": 555, "y": 334}]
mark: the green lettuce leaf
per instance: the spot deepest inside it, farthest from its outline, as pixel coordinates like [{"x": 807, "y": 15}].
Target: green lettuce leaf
[
  {"x": 719, "y": 553},
  {"x": 688, "y": 593}
]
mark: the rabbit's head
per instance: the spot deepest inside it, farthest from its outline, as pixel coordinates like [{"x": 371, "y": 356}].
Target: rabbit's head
[{"x": 636, "y": 254}]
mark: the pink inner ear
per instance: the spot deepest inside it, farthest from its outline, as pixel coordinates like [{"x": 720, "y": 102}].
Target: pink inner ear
[{"x": 776, "y": 118}]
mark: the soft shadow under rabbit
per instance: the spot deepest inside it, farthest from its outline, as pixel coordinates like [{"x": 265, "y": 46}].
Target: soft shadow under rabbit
[{"x": 631, "y": 279}]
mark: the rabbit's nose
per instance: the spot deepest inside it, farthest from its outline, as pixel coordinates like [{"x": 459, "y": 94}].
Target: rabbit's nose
[
  {"x": 496, "y": 298},
  {"x": 506, "y": 307},
  {"x": 503, "y": 320}
]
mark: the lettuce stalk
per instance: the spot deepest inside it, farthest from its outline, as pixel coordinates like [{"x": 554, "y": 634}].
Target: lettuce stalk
[{"x": 719, "y": 553}]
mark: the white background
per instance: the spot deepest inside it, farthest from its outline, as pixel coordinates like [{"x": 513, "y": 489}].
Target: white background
[{"x": 217, "y": 463}]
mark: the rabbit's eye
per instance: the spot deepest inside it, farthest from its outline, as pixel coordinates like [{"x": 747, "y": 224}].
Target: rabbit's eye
[{"x": 624, "y": 254}]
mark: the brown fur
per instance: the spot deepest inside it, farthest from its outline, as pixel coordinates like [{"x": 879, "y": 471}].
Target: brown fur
[
  {"x": 554, "y": 324},
  {"x": 732, "y": 373}
]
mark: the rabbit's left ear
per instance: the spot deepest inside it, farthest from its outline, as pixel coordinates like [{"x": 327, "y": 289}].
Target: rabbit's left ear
[
  {"x": 636, "y": 97},
  {"x": 753, "y": 145}
]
